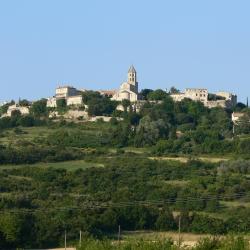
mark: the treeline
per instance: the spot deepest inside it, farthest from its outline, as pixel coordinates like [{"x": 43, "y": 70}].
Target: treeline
[
  {"x": 18, "y": 120},
  {"x": 31, "y": 153},
  {"x": 185, "y": 127}
]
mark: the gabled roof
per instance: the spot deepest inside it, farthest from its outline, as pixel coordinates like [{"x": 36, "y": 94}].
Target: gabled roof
[{"x": 131, "y": 69}]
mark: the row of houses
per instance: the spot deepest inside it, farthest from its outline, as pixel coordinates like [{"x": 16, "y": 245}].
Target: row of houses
[{"x": 219, "y": 99}]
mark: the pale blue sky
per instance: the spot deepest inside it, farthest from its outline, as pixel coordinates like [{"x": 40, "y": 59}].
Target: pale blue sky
[{"x": 91, "y": 44}]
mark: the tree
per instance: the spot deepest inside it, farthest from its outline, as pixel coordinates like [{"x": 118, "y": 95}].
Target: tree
[
  {"x": 39, "y": 108},
  {"x": 104, "y": 106},
  {"x": 244, "y": 146},
  {"x": 174, "y": 90},
  {"x": 125, "y": 103},
  {"x": 26, "y": 121},
  {"x": 4, "y": 108},
  {"x": 133, "y": 118},
  {"x": 24, "y": 103},
  {"x": 61, "y": 104},
  {"x": 239, "y": 107},
  {"x": 165, "y": 220},
  {"x": 89, "y": 95},
  {"x": 121, "y": 135},
  {"x": 157, "y": 95},
  {"x": 144, "y": 93},
  {"x": 149, "y": 132},
  {"x": 11, "y": 228}
]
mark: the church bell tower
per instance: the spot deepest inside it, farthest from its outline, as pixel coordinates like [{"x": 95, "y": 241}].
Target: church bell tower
[{"x": 132, "y": 78}]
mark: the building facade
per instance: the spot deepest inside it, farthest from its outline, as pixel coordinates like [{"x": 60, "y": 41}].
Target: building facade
[
  {"x": 66, "y": 91},
  {"x": 70, "y": 94},
  {"x": 129, "y": 89},
  {"x": 74, "y": 100},
  {"x": 16, "y": 107},
  {"x": 221, "y": 99}
]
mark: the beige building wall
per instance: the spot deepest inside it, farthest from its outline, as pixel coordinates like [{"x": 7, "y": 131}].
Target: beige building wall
[
  {"x": 74, "y": 100},
  {"x": 178, "y": 97},
  {"x": 22, "y": 110},
  {"x": 66, "y": 91},
  {"x": 197, "y": 94}
]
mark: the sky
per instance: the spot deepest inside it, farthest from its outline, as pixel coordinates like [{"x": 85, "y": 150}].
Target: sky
[{"x": 90, "y": 44}]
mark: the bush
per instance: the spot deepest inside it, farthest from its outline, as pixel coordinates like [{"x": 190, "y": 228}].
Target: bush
[
  {"x": 26, "y": 121},
  {"x": 205, "y": 224}
]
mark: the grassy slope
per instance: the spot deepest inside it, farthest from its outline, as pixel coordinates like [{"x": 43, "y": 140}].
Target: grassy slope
[{"x": 69, "y": 165}]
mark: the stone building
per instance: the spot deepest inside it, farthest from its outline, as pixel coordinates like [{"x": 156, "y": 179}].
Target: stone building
[
  {"x": 74, "y": 100},
  {"x": 220, "y": 99},
  {"x": 70, "y": 94},
  {"x": 16, "y": 107},
  {"x": 129, "y": 89},
  {"x": 66, "y": 91}
]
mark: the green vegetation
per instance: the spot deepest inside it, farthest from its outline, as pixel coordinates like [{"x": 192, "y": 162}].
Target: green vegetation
[
  {"x": 127, "y": 189},
  {"x": 232, "y": 243},
  {"x": 170, "y": 162},
  {"x": 98, "y": 104}
]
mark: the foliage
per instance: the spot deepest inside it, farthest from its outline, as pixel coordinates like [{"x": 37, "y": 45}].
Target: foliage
[
  {"x": 61, "y": 104},
  {"x": 174, "y": 90},
  {"x": 144, "y": 93},
  {"x": 97, "y": 104},
  {"x": 24, "y": 103},
  {"x": 148, "y": 131},
  {"x": 157, "y": 95},
  {"x": 4, "y": 108},
  {"x": 39, "y": 108}
]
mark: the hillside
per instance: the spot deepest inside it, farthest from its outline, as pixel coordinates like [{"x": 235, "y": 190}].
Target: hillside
[{"x": 170, "y": 162}]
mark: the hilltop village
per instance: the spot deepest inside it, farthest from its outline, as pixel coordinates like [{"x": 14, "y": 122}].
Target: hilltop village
[{"x": 128, "y": 91}]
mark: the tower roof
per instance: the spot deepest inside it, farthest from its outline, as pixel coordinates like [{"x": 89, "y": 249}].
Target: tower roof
[{"x": 131, "y": 69}]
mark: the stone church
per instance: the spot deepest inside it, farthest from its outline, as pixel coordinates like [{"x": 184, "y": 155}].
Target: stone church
[{"x": 128, "y": 90}]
